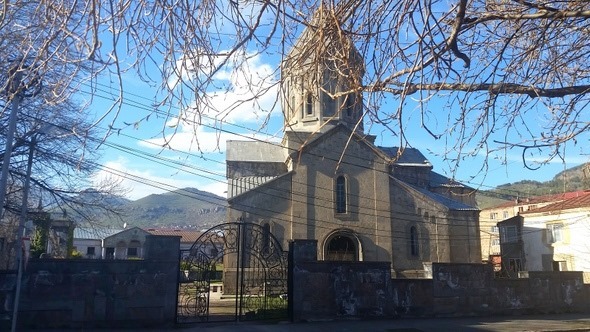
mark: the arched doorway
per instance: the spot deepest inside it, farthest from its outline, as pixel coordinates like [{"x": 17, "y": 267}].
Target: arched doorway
[
  {"x": 342, "y": 245},
  {"x": 234, "y": 271}
]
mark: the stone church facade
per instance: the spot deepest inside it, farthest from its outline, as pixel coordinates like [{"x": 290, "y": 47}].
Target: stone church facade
[{"x": 328, "y": 181}]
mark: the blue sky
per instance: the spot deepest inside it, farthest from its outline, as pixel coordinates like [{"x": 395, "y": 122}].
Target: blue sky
[
  {"x": 194, "y": 156},
  {"x": 167, "y": 151}
]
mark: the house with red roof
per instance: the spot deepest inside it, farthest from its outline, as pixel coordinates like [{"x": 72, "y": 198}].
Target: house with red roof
[
  {"x": 555, "y": 236},
  {"x": 489, "y": 218}
]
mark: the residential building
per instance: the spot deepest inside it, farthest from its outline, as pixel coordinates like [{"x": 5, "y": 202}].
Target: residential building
[
  {"x": 556, "y": 236},
  {"x": 327, "y": 180},
  {"x": 511, "y": 244},
  {"x": 127, "y": 244},
  {"x": 187, "y": 237},
  {"x": 489, "y": 218},
  {"x": 88, "y": 241}
]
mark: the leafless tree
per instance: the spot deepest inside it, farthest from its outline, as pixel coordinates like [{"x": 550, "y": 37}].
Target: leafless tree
[
  {"x": 62, "y": 149},
  {"x": 483, "y": 75}
]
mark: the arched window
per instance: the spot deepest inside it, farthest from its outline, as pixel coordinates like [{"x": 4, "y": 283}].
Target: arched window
[
  {"x": 414, "y": 244},
  {"x": 341, "y": 194}
]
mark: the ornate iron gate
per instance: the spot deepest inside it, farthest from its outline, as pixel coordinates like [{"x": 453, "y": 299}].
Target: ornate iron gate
[{"x": 234, "y": 271}]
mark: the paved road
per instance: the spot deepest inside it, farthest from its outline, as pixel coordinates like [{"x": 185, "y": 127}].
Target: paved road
[
  {"x": 570, "y": 322},
  {"x": 564, "y": 322}
]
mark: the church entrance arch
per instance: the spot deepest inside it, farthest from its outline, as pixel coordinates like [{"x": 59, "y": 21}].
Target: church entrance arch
[
  {"x": 233, "y": 272},
  {"x": 342, "y": 245}
]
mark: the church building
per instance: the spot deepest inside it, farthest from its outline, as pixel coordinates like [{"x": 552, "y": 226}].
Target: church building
[{"x": 328, "y": 181}]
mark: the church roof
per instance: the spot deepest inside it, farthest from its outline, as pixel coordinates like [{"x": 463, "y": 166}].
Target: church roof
[
  {"x": 439, "y": 180},
  {"x": 409, "y": 156},
  {"x": 241, "y": 185},
  {"x": 254, "y": 151},
  {"x": 441, "y": 199}
]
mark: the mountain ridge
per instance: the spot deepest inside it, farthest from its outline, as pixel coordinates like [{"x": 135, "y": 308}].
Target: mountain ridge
[
  {"x": 571, "y": 179},
  {"x": 181, "y": 208},
  {"x": 197, "y": 209}
]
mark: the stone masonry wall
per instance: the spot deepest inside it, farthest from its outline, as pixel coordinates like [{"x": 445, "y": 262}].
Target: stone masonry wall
[
  {"x": 102, "y": 293},
  {"x": 337, "y": 290}
]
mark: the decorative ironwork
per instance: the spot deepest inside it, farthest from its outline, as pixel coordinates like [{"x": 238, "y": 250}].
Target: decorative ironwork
[{"x": 253, "y": 277}]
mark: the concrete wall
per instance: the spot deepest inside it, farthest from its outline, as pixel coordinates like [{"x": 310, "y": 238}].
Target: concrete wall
[
  {"x": 335, "y": 290},
  {"x": 102, "y": 293}
]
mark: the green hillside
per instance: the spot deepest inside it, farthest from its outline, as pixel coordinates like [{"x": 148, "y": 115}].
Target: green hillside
[
  {"x": 572, "y": 179},
  {"x": 186, "y": 208},
  {"x": 196, "y": 209}
]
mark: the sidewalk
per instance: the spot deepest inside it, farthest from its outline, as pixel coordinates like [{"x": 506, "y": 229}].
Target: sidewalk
[{"x": 563, "y": 322}]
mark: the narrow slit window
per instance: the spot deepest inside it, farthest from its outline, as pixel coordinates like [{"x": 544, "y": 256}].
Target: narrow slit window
[
  {"x": 309, "y": 104},
  {"x": 341, "y": 194},
  {"x": 414, "y": 244}
]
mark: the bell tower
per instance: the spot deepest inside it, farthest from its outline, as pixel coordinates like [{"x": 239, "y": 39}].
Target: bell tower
[{"x": 321, "y": 78}]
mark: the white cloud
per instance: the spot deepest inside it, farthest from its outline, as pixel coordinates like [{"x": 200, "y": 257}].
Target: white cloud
[
  {"x": 199, "y": 140},
  {"x": 247, "y": 96}
]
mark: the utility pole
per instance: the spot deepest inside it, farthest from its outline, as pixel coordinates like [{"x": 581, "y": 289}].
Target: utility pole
[
  {"x": 15, "y": 95},
  {"x": 16, "y": 90},
  {"x": 21, "y": 231}
]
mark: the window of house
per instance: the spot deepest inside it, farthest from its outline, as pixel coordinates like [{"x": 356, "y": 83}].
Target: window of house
[
  {"x": 555, "y": 233},
  {"x": 494, "y": 229},
  {"x": 414, "y": 245},
  {"x": 514, "y": 264},
  {"x": 521, "y": 209},
  {"x": 493, "y": 215},
  {"x": 341, "y": 194},
  {"x": 559, "y": 265},
  {"x": 308, "y": 104},
  {"x": 90, "y": 251},
  {"x": 509, "y": 234},
  {"x": 495, "y": 242},
  {"x": 505, "y": 214},
  {"x": 433, "y": 219},
  {"x": 131, "y": 252}
]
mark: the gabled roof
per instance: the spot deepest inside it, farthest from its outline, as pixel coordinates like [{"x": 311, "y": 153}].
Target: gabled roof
[
  {"x": 241, "y": 185},
  {"x": 186, "y": 236},
  {"x": 251, "y": 184},
  {"x": 439, "y": 180},
  {"x": 581, "y": 201},
  {"x": 318, "y": 137},
  {"x": 438, "y": 198},
  {"x": 541, "y": 199},
  {"x": 92, "y": 233},
  {"x": 408, "y": 157},
  {"x": 126, "y": 231}
]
